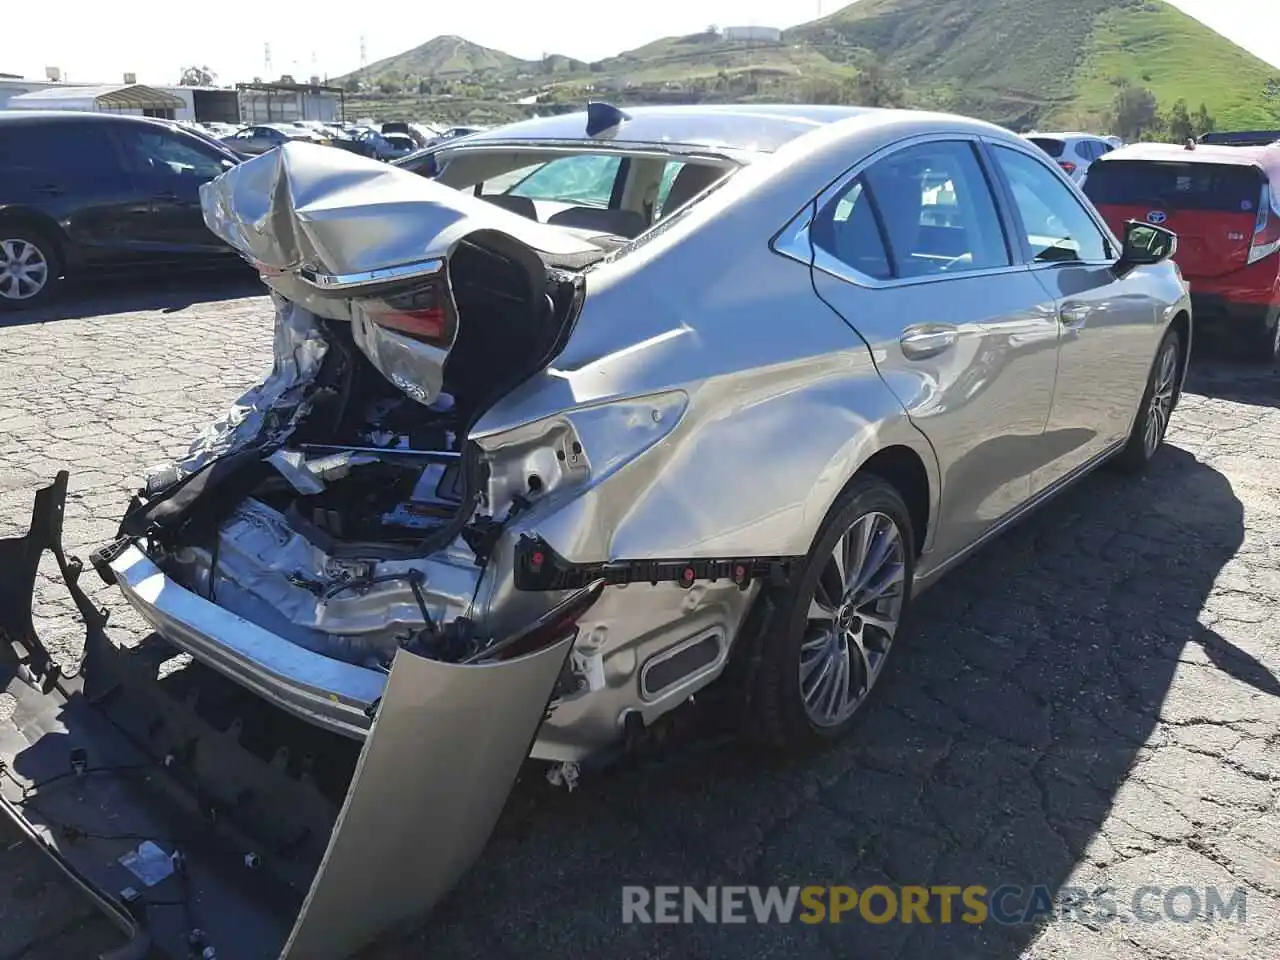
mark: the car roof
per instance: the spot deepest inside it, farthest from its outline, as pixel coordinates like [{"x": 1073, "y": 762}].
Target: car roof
[
  {"x": 753, "y": 128},
  {"x": 1076, "y": 135},
  {"x": 21, "y": 117},
  {"x": 1266, "y": 158}
]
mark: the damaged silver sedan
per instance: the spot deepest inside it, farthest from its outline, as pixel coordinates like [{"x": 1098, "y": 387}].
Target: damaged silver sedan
[{"x": 537, "y": 465}]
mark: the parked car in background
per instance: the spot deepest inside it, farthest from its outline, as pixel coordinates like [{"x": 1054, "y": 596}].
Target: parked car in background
[
  {"x": 410, "y": 130},
  {"x": 1073, "y": 152},
  {"x": 1223, "y": 202},
  {"x": 380, "y": 146},
  {"x": 260, "y": 138},
  {"x": 86, "y": 192}
]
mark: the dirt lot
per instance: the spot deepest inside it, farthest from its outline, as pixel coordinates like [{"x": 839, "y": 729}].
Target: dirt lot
[{"x": 1093, "y": 701}]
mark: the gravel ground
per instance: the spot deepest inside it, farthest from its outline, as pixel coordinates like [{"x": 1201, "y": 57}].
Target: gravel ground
[{"x": 1092, "y": 701}]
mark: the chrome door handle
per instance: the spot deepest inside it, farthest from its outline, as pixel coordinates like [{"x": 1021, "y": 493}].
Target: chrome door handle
[
  {"x": 1074, "y": 317},
  {"x": 927, "y": 340}
]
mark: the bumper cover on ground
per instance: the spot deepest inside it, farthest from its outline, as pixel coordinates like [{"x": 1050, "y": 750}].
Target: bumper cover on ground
[{"x": 261, "y": 855}]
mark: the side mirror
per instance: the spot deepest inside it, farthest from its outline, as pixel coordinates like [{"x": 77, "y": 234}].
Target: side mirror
[{"x": 1145, "y": 244}]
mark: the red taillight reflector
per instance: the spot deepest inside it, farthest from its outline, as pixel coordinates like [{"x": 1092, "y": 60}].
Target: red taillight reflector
[
  {"x": 1067, "y": 165},
  {"x": 420, "y": 314},
  {"x": 427, "y": 324}
]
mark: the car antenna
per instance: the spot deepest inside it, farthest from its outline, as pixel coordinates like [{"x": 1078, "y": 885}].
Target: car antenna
[{"x": 603, "y": 116}]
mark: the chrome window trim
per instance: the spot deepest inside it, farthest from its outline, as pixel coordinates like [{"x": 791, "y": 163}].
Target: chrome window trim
[
  {"x": 346, "y": 282},
  {"x": 793, "y": 240},
  {"x": 1090, "y": 210}
]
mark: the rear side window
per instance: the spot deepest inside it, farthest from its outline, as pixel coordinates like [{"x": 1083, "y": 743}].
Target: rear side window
[
  {"x": 1050, "y": 145},
  {"x": 919, "y": 212},
  {"x": 56, "y": 147},
  {"x": 1180, "y": 186}
]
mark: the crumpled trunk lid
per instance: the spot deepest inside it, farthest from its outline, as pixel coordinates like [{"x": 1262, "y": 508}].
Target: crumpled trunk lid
[{"x": 357, "y": 240}]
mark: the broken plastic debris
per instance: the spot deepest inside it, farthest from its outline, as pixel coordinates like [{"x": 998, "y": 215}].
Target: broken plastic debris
[
  {"x": 293, "y": 467},
  {"x": 148, "y": 863},
  {"x": 564, "y": 775}
]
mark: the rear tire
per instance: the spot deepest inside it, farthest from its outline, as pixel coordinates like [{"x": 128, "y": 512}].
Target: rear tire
[
  {"x": 1263, "y": 346},
  {"x": 1159, "y": 400},
  {"x": 825, "y": 649},
  {"x": 29, "y": 267}
]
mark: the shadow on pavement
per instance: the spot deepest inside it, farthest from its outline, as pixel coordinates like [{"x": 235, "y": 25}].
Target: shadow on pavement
[
  {"x": 167, "y": 291},
  {"x": 1009, "y": 722},
  {"x": 1217, "y": 371}
]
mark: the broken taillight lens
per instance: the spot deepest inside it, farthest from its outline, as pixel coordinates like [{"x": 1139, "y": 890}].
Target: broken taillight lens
[{"x": 421, "y": 313}]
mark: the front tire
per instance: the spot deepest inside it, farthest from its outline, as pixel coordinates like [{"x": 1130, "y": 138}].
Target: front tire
[
  {"x": 836, "y": 624},
  {"x": 1264, "y": 345},
  {"x": 29, "y": 267},
  {"x": 1158, "y": 402}
]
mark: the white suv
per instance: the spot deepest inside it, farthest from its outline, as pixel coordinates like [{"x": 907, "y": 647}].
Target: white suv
[{"x": 1073, "y": 151}]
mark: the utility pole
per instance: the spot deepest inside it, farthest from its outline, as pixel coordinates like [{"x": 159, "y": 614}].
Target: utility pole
[
  {"x": 364, "y": 54},
  {"x": 266, "y": 62}
]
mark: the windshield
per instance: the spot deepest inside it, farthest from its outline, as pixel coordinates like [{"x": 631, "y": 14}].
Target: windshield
[{"x": 1180, "y": 186}]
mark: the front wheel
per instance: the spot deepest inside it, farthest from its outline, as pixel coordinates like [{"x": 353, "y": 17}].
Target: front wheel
[
  {"x": 838, "y": 621},
  {"x": 1156, "y": 409}
]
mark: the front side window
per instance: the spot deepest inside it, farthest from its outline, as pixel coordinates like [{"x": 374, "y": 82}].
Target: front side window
[
  {"x": 1055, "y": 225},
  {"x": 158, "y": 151},
  {"x": 585, "y": 179}
]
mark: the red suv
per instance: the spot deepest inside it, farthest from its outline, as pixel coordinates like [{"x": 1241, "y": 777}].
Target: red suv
[{"x": 1223, "y": 202}]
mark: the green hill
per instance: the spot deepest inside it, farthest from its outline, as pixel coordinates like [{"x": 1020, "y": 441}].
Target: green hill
[
  {"x": 1022, "y": 63},
  {"x": 1052, "y": 62}
]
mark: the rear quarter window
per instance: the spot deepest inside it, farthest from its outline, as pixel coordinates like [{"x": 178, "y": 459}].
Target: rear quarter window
[
  {"x": 56, "y": 147},
  {"x": 1224, "y": 188},
  {"x": 1050, "y": 145}
]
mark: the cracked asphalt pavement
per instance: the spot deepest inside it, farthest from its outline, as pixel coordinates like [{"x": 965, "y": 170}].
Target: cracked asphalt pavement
[{"x": 1091, "y": 701}]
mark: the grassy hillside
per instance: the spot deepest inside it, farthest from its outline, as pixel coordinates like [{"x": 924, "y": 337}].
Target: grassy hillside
[
  {"x": 1044, "y": 62},
  {"x": 1174, "y": 56},
  {"x": 1022, "y": 63},
  {"x": 439, "y": 58}
]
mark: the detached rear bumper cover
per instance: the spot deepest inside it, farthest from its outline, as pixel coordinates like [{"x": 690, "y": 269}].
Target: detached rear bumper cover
[{"x": 430, "y": 781}]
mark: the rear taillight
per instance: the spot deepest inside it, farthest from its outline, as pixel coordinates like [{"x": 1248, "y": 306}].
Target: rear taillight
[
  {"x": 1266, "y": 229},
  {"x": 420, "y": 314},
  {"x": 1068, "y": 166}
]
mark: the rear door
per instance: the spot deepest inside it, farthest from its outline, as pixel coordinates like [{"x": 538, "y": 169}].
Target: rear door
[
  {"x": 1212, "y": 207},
  {"x": 912, "y": 252},
  {"x": 70, "y": 171},
  {"x": 171, "y": 167}
]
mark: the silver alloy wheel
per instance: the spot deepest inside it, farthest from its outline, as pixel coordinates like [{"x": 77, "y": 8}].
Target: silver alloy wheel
[
  {"x": 24, "y": 270},
  {"x": 853, "y": 617},
  {"x": 1160, "y": 408}
]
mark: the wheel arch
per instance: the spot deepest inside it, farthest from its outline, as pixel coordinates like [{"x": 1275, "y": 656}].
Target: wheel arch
[{"x": 42, "y": 222}]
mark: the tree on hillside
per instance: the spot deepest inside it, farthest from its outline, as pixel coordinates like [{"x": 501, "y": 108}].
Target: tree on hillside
[
  {"x": 876, "y": 87},
  {"x": 352, "y": 85},
  {"x": 1136, "y": 112},
  {"x": 197, "y": 77},
  {"x": 1202, "y": 121},
  {"x": 1177, "y": 123}
]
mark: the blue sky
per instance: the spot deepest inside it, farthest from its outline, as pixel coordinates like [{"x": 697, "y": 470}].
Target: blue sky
[{"x": 93, "y": 41}]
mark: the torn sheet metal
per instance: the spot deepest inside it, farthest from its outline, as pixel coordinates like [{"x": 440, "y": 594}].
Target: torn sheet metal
[{"x": 274, "y": 406}]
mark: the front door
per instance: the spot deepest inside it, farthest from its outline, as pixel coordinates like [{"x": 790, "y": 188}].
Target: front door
[
  {"x": 914, "y": 255},
  {"x": 1106, "y": 322}
]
